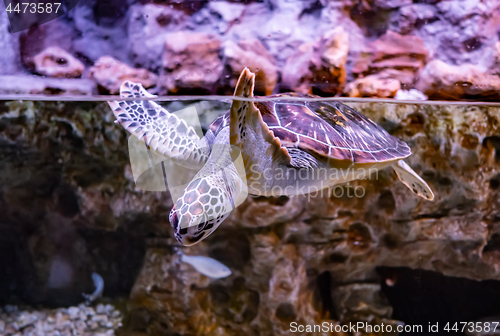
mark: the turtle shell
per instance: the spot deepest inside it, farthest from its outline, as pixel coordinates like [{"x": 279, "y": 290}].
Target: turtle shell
[{"x": 330, "y": 130}]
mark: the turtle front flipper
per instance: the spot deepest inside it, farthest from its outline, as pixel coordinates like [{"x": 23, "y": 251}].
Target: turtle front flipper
[
  {"x": 164, "y": 132},
  {"x": 249, "y": 132},
  {"x": 412, "y": 180}
]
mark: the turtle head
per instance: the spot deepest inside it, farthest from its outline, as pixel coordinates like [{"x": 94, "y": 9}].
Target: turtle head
[{"x": 205, "y": 204}]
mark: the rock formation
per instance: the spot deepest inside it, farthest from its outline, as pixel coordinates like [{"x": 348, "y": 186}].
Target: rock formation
[
  {"x": 251, "y": 54},
  {"x": 110, "y": 73},
  {"x": 191, "y": 61},
  {"x": 321, "y": 46},
  {"x": 450, "y": 82},
  {"x": 378, "y": 85},
  {"x": 319, "y": 65},
  {"x": 394, "y": 56},
  {"x": 56, "y": 62}
]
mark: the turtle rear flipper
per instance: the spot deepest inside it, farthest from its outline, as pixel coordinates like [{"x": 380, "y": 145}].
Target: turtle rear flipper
[
  {"x": 412, "y": 180},
  {"x": 164, "y": 132}
]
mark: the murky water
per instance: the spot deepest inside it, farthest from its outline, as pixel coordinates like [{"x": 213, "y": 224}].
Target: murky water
[{"x": 72, "y": 205}]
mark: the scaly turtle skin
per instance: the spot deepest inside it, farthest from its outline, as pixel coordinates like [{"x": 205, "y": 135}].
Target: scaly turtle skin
[{"x": 287, "y": 148}]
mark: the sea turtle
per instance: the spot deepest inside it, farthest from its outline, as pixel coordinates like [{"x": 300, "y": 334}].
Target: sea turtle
[{"x": 288, "y": 147}]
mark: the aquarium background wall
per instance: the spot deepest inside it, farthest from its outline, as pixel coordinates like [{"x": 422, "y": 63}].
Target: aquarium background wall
[{"x": 69, "y": 205}]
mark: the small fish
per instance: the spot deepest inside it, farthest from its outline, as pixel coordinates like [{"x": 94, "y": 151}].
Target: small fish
[
  {"x": 207, "y": 266},
  {"x": 99, "y": 289}
]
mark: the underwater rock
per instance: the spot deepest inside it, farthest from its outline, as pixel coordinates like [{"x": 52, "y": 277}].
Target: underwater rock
[
  {"x": 110, "y": 73},
  {"x": 260, "y": 211},
  {"x": 290, "y": 258},
  {"x": 364, "y": 302},
  {"x": 361, "y": 299},
  {"x": 191, "y": 62},
  {"x": 63, "y": 211},
  {"x": 81, "y": 320},
  {"x": 172, "y": 291},
  {"x": 318, "y": 66},
  {"x": 251, "y": 54},
  {"x": 453, "y": 82},
  {"x": 318, "y": 261},
  {"x": 393, "y": 229},
  {"x": 56, "y": 62},
  {"x": 378, "y": 85},
  {"x": 288, "y": 297}
]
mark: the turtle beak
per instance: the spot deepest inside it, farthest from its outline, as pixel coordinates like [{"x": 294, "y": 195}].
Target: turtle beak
[
  {"x": 191, "y": 235},
  {"x": 186, "y": 236}
]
